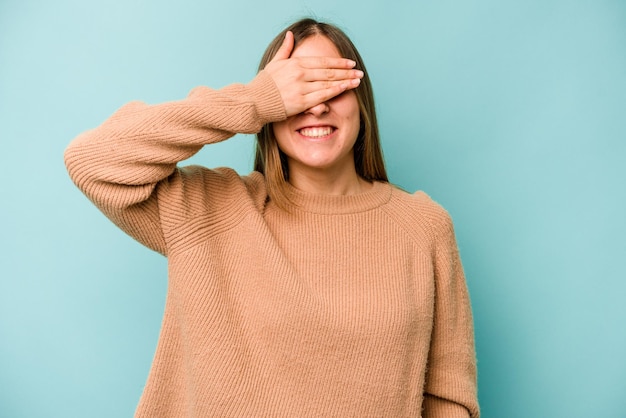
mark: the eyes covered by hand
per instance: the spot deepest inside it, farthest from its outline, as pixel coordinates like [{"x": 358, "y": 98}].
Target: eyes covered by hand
[{"x": 304, "y": 82}]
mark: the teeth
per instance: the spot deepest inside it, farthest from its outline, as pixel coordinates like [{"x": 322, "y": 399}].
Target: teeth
[{"x": 316, "y": 132}]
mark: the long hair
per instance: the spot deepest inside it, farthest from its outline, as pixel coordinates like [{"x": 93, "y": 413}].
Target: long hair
[{"x": 368, "y": 156}]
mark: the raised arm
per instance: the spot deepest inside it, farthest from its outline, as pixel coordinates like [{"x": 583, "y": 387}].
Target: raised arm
[{"x": 119, "y": 164}]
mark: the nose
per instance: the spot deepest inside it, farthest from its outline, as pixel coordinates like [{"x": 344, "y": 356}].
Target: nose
[{"x": 318, "y": 110}]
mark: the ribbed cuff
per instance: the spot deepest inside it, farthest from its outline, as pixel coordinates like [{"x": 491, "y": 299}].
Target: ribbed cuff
[
  {"x": 263, "y": 91},
  {"x": 434, "y": 407}
]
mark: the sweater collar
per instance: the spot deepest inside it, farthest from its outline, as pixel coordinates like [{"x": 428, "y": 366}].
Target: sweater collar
[{"x": 377, "y": 195}]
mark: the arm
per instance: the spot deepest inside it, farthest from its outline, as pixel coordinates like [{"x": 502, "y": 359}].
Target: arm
[
  {"x": 119, "y": 164},
  {"x": 451, "y": 388}
]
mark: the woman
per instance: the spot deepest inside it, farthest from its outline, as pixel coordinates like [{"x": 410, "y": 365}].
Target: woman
[{"x": 311, "y": 287}]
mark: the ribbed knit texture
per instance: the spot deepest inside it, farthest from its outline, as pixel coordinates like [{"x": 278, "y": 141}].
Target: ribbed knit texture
[{"x": 345, "y": 306}]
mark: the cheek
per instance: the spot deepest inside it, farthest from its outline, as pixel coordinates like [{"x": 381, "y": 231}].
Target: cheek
[
  {"x": 355, "y": 122},
  {"x": 350, "y": 110},
  {"x": 280, "y": 130}
]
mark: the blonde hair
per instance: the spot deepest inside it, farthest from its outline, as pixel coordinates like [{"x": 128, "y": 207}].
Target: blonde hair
[{"x": 368, "y": 156}]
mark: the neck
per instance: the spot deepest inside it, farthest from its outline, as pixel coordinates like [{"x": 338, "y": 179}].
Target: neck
[{"x": 338, "y": 181}]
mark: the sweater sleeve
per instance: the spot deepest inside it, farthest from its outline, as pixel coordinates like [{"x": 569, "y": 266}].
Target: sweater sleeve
[
  {"x": 451, "y": 387},
  {"x": 120, "y": 164}
]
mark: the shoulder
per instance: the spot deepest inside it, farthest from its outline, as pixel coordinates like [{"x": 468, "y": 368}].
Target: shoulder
[
  {"x": 203, "y": 190},
  {"x": 419, "y": 215}
]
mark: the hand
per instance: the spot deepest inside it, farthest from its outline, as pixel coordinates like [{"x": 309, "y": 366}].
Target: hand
[{"x": 304, "y": 82}]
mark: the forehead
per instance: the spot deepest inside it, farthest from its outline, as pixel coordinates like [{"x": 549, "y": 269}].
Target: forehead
[{"x": 316, "y": 46}]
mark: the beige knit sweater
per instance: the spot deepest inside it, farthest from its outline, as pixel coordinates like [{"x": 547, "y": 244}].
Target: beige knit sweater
[{"x": 348, "y": 306}]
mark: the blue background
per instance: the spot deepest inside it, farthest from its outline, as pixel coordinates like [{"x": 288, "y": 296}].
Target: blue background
[{"x": 509, "y": 113}]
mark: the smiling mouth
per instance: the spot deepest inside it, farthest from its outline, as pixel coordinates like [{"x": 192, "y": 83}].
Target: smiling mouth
[{"x": 316, "y": 131}]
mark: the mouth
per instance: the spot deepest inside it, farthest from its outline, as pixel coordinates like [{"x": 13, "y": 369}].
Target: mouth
[{"x": 317, "y": 132}]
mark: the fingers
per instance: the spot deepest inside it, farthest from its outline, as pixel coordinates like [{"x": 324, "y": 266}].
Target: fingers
[
  {"x": 331, "y": 74},
  {"x": 323, "y": 91},
  {"x": 285, "y": 49},
  {"x": 335, "y": 88},
  {"x": 325, "y": 62},
  {"x": 312, "y": 70},
  {"x": 330, "y": 85},
  {"x": 306, "y": 94},
  {"x": 310, "y": 94}
]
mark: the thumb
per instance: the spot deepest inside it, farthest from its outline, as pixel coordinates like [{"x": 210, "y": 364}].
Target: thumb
[{"x": 286, "y": 48}]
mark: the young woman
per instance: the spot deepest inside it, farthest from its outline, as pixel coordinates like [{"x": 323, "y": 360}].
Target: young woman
[{"x": 311, "y": 287}]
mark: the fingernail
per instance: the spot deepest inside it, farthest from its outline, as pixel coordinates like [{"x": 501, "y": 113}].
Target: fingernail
[
  {"x": 359, "y": 73},
  {"x": 351, "y": 63}
]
